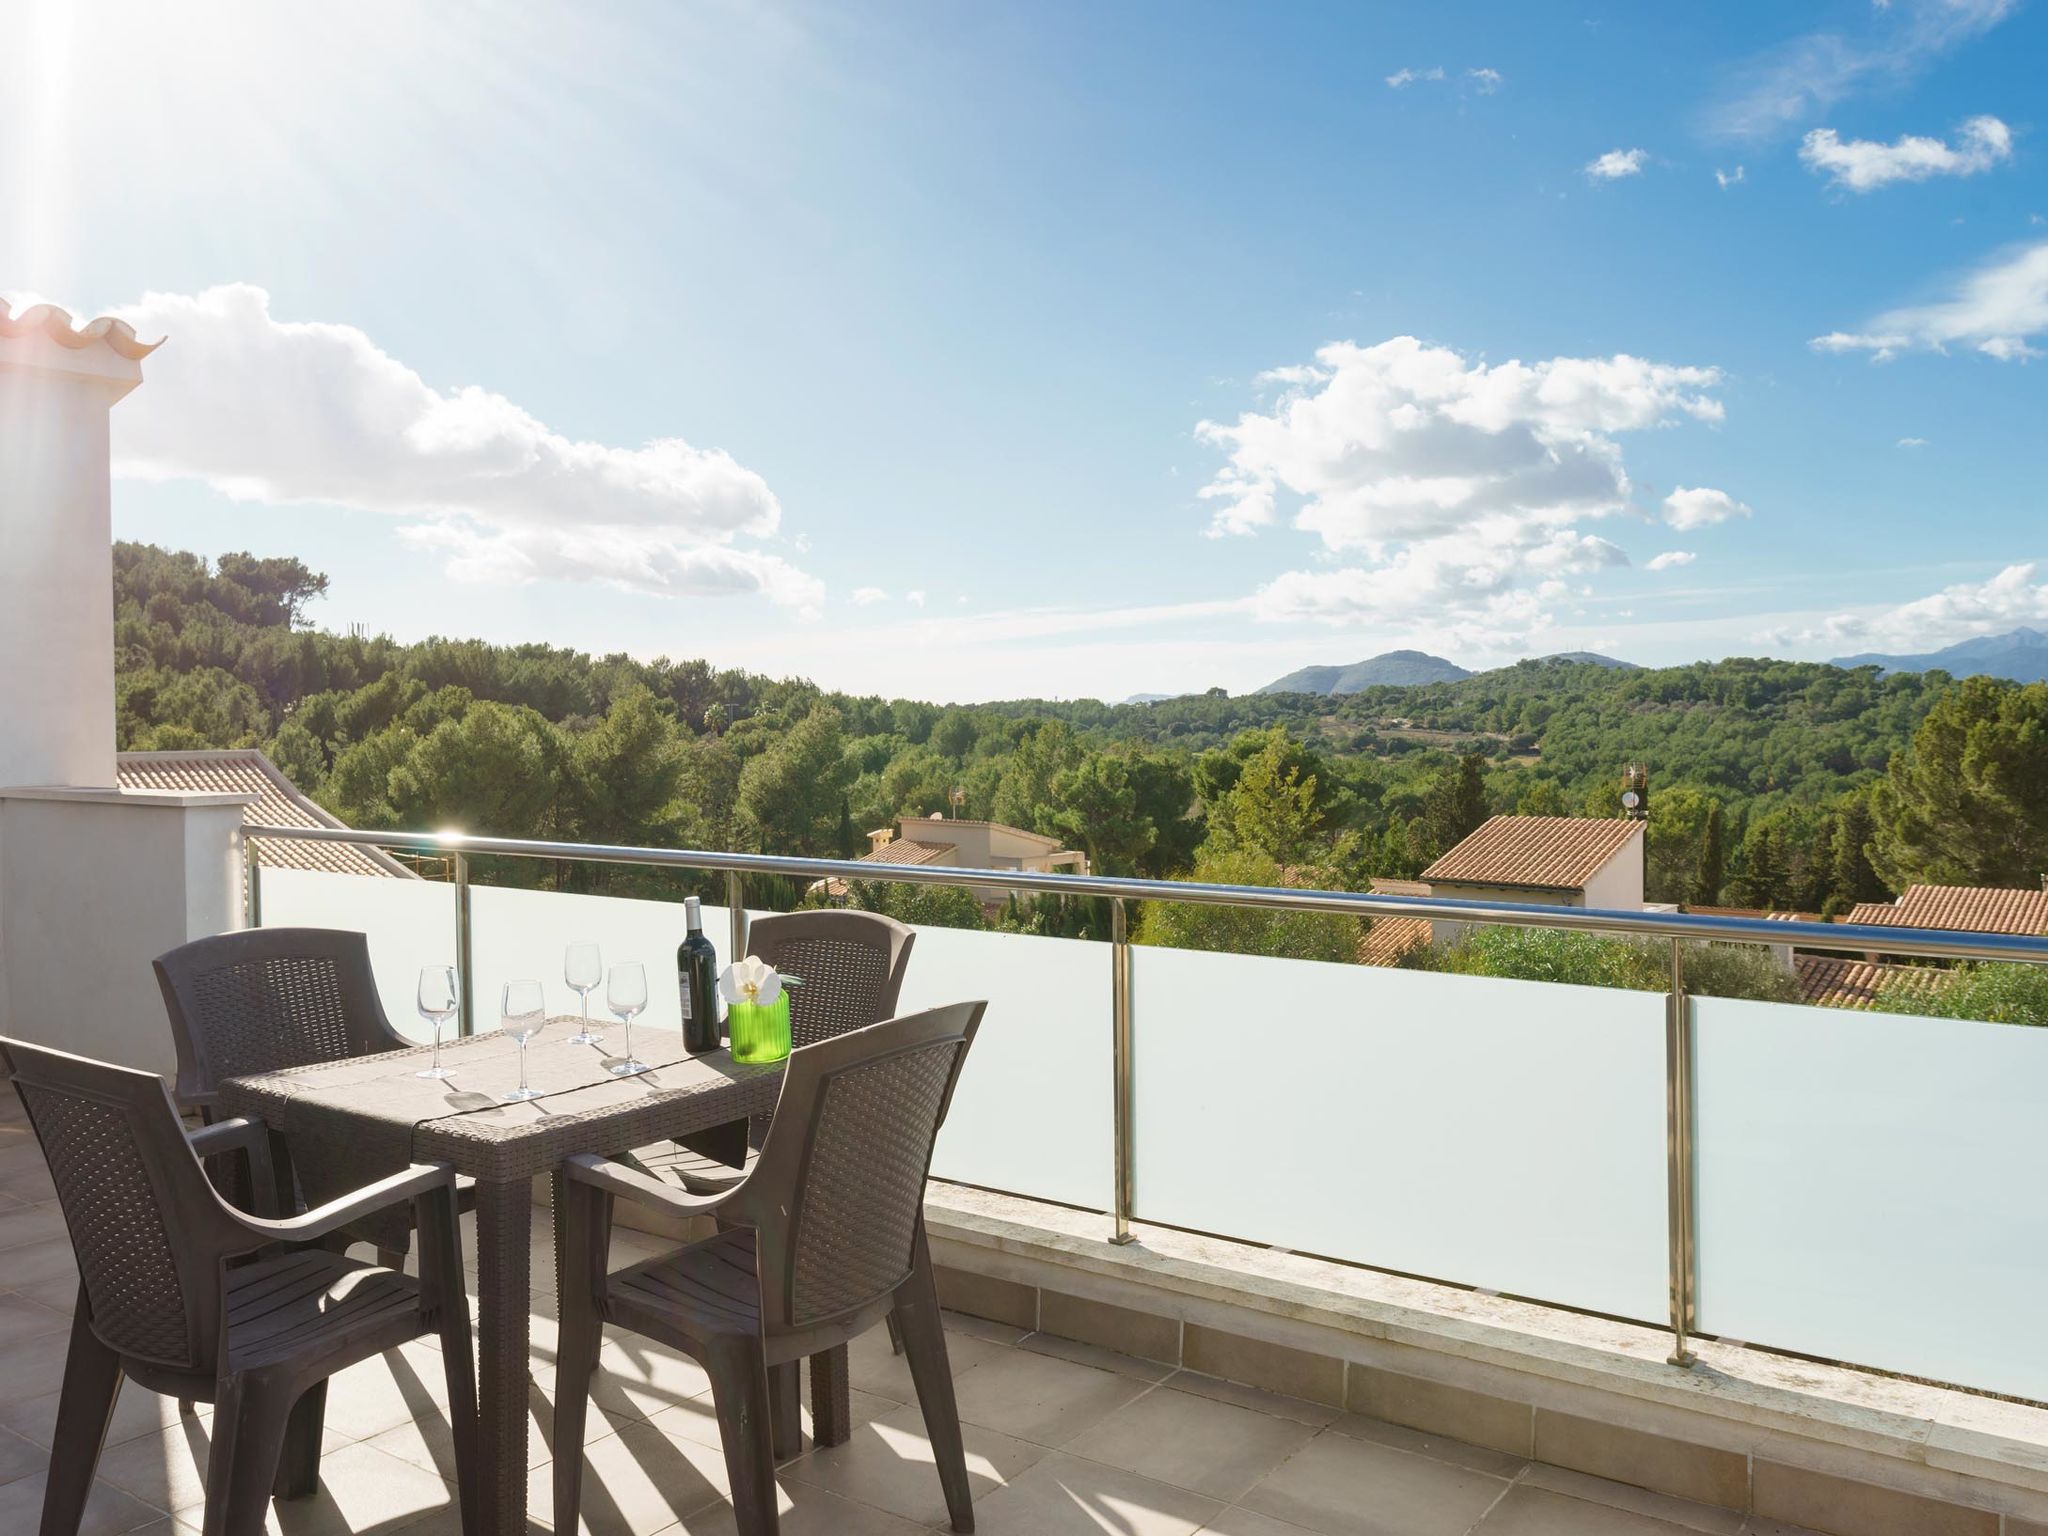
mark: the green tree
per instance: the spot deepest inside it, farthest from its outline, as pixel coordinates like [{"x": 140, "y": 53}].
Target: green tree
[
  {"x": 789, "y": 795},
  {"x": 1249, "y": 930},
  {"x": 1967, "y": 804},
  {"x": 1710, "y": 872},
  {"x": 1993, "y": 993},
  {"x": 930, "y": 906},
  {"x": 1596, "y": 960},
  {"x": 1852, "y": 879},
  {"x": 1673, "y": 841},
  {"x": 500, "y": 770},
  {"x": 626, "y": 774},
  {"x": 1096, "y": 806},
  {"x": 1024, "y": 796},
  {"x": 1271, "y": 809},
  {"x": 1456, "y": 803},
  {"x": 1542, "y": 797}
]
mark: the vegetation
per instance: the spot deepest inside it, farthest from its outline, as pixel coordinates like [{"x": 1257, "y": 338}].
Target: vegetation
[
  {"x": 1595, "y": 960},
  {"x": 1994, "y": 993},
  {"x": 1774, "y": 784}
]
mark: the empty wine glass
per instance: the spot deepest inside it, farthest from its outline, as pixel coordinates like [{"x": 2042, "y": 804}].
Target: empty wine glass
[
  {"x": 522, "y": 1016},
  {"x": 583, "y": 970},
  {"x": 437, "y": 1003},
  {"x": 625, "y": 994}
]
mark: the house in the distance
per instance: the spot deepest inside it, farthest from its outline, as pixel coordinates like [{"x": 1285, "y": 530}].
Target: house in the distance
[
  {"x": 965, "y": 844},
  {"x": 1961, "y": 909}
]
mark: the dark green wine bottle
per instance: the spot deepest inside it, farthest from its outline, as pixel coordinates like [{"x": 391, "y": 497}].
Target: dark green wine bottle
[{"x": 697, "y": 978}]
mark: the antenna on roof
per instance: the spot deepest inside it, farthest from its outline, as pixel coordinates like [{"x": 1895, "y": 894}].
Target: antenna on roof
[
  {"x": 956, "y": 798},
  {"x": 1635, "y": 792}
]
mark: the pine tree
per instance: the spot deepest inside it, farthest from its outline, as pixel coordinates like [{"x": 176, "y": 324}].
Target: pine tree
[{"x": 1711, "y": 872}]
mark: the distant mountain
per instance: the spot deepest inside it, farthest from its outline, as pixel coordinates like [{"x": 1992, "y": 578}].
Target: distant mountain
[
  {"x": 2021, "y": 655},
  {"x": 1593, "y": 659},
  {"x": 1398, "y": 669},
  {"x": 1150, "y": 698}
]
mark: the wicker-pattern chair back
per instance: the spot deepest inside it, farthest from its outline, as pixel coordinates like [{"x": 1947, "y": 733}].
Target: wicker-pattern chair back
[
  {"x": 269, "y": 998},
  {"x": 840, "y": 1184},
  {"x": 850, "y": 966},
  {"x": 135, "y": 1200}
]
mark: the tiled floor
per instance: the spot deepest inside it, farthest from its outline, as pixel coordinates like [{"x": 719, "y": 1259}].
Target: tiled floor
[{"x": 1060, "y": 1438}]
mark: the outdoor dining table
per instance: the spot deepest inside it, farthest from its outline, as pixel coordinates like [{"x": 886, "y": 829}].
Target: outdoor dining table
[{"x": 343, "y": 1124}]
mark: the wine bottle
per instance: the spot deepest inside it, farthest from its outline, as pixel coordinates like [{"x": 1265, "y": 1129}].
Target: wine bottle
[{"x": 697, "y": 979}]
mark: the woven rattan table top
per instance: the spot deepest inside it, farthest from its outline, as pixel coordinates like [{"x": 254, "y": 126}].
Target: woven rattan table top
[{"x": 371, "y": 1115}]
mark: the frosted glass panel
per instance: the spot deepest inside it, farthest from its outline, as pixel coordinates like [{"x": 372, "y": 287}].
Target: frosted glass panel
[
  {"x": 1032, "y": 1112},
  {"x": 1870, "y": 1189},
  {"x": 1507, "y": 1134},
  {"x": 409, "y": 923}
]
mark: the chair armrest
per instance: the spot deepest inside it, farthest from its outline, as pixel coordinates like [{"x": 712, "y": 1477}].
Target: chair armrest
[
  {"x": 630, "y": 1183},
  {"x": 420, "y": 1179},
  {"x": 250, "y": 1137}
]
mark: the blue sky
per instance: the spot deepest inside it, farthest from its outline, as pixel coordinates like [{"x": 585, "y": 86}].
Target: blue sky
[{"x": 975, "y": 351}]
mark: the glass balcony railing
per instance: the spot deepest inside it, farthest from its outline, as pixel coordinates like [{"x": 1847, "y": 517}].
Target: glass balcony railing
[{"x": 1852, "y": 1185}]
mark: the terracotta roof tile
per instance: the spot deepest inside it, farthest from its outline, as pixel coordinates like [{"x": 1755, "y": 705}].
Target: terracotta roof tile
[
  {"x": 1384, "y": 887},
  {"x": 905, "y": 850},
  {"x": 1556, "y": 853},
  {"x": 1390, "y": 938},
  {"x": 1960, "y": 908},
  {"x": 1841, "y": 981},
  {"x": 245, "y": 771}
]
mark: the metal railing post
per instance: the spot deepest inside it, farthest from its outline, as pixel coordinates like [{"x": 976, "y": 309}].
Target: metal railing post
[
  {"x": 252, "y": 884},
  {"x": 1679, "y": 1109},
  {"x": 1120, "y": 1054},
  {"x": 736, "y": 910},
  {"x": 465, "y": 1019}
]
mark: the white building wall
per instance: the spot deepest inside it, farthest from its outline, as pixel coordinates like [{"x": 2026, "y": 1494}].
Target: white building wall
[{"x": 1617, "y": 886}]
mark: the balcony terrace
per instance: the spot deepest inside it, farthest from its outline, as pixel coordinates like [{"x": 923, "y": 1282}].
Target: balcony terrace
[{"x": 1183, "y": 1208}]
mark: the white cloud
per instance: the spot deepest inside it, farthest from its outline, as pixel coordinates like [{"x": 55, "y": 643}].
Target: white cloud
[
  {"x": 289, "y": 412},
  {"x": 2010, "y": 598},
  {"x": 1912, "y": 442},
  {"x": 1700, "y": 508},
  {"x": 915, "y": 599},
  {"x": 1454, "y": 485},
  {"x": 1994, "y": 309},
  {"x": 1617, "y": 163},
  {"x": 1484, "y": 80},
  {"x": 1786, "y": 85},
  {"x": 863, "y": 596},
  {"x": 1670, "y": 560},
  {"x": 1727, "y": 179},
  {"x": 1863, "y": 165},
  {"x": 1402, "y": 78}
]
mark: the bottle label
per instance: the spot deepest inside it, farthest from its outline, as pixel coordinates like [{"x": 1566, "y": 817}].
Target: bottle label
[{"x": 686, "y": 1003}]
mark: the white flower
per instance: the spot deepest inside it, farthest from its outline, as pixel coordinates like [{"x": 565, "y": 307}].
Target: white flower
[{"x": 750, "y": 981}]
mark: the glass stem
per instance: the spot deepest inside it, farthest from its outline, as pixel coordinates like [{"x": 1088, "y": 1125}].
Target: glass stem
[
  {"x": 522, "y": 1066},
  {"x": 629, "y": 1039},
  {"x": 437, "y": 1045}
]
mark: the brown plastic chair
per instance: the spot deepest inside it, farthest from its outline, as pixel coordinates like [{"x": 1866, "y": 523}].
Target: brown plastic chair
[
  {"x": 268, "y": 998},
  {"x": 851, "y": 967},
  {"x": 820, "y": 1242},
  {"x": 159, "y": 1301}
]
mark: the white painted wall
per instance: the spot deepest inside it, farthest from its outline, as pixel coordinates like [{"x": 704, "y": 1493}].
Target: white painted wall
[{"x": 1617, "y": 886}]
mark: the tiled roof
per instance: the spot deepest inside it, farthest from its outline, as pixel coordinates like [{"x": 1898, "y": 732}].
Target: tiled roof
[
  {"x": 1553, "y": 853},
  {"x": 1767, "y": 913},
  {"x": 1960, "y": 908},
  {"x": 245, "y": 771},
  {"x": 905, "y": 850},
  {"x": 1390, "y": 938},
  {"x": 907, "y": 822},
  {"x": 1385, "y": 887},
  {"x": 1840, "y": 981}
]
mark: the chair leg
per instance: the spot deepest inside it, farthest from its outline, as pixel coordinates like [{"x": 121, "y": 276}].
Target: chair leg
[
  {"x": 786, "y": 1404},
  {"x": 924, "y": 1341},
  {"x": 92, "y": 1381},
  {"x": 831, "y": 1398},
  {"x": 298, "y": 1462},
  {"x": 739, "y": 1391},
  {"x": 249, "y": 1425},
  {"x": 579, "y": 1334},
  {"x": 440, "y": 1248},
  {"x": 895, "y": 1335}
]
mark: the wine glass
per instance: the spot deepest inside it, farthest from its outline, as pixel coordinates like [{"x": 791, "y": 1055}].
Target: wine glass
[
  {"x": 522, "y": 1016},
  {"x": 437, "y": 1003},
  {"x": 583, "y": 970},
  {"x": 625, "y": 994}
]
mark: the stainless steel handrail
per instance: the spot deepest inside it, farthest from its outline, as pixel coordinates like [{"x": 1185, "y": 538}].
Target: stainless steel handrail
[
  {"x": 1680, "y": 1081},
  {"x": 1926, "y": 943}
]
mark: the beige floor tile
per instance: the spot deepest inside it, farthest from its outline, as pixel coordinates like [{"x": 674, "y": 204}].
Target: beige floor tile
[
  {"x": 637, "y": 1378},
  {"x": 1710, "y": 1518},
  {"x": 698, "y": 1418},
  {"x": 35, "y": 1364},
  {"x": 872, "y": 1368},
  {"x": 1094, "y": 1354},
  {"x": 1400, "y": 1437},
  {"x": 1068, "y": 1496},
  {"x": 107, "y": 1513},
  {"x": 888, "y": 1465},
  {"x": 362, "y": 1493},
  {"x": 1343, "y": 1487},
  {"x": 30, "y": 1224},
  {"x": 168, "y": 1469},
  {"x": 1240, "y": 1521},
  {"x": 1530, "y": 1511},
  {"x": 1039, "y": 1398},
  {"x": 982, "y": 1328},
  {"x": 138, "y": 1411},
  {"x": 1211, "y": 1448},
  {"x": 1258, "y": 1399},
  {"x": 805, "y": 1511},
  {"x": 429, "y": 1442},
  {"x": 21, "y": 1318},
  {"x": 398, "y": 1387},
  {"x": 58, "y": 1291},
  {"x": 636, "y": 1482},
  {"x": 19, "y": 1457}
]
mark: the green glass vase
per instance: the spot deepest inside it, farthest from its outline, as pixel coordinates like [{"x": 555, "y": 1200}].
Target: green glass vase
[{"x": 760, "y": 1031}]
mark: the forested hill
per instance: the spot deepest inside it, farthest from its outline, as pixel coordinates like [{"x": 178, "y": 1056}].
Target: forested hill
[{"x": 1761, "y": 771}]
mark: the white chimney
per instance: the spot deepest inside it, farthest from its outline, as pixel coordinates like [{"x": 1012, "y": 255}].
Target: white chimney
[{"x": 57, "y": 386}]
